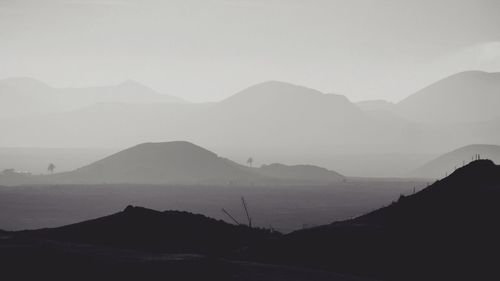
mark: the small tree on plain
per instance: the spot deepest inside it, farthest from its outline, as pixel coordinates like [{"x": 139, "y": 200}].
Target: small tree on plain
[
  {"x": 250, "y": 161},
  {"x": 51, "y": 168}
]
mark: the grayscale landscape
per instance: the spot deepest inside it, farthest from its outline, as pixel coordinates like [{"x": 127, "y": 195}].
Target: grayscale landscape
[{"x": 249, "y": 140}]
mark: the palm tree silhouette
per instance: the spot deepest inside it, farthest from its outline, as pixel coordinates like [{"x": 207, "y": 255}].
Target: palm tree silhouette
[{"x": 51, "y": 168}]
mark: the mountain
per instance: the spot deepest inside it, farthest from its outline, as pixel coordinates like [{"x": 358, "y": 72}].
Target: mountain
[
  {"x": 177, "y": 162},
  {"x": 271, "y": 122},
  {"x": 281, "y": 116},
  {"x": 470, "y": 96},
  {"x": 447, "y": 162},
  {"x": 129, "y": 91},
  {"x": 447, "y": 231},
  {"x": 26, "y": 96},
  {"x": 149, "y": 230}
]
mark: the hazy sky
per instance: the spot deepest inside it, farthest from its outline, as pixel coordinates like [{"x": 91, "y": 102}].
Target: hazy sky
[{"x": 207, "y": 50}]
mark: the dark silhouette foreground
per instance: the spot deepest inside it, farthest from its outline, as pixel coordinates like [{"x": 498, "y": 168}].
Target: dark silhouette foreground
[
  {"x": 154, "y": 231},
  {"x": 448, "y": 231}
]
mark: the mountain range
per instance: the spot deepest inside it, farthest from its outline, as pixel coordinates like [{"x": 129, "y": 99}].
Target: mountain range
[
  {"x": 271, "y": 121},
  {"x": 26, "y": 96}
]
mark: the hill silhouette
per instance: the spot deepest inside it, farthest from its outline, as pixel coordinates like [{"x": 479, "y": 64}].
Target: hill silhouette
[
  {"x": 154, "y": 231},
  {"x": 469, "y": 96},
  {"x": 448, "y": 231},
  {"x": 59, "y": 254},
  {"x": 447, "y": 162},
  {"x": 177, "y": 162}
]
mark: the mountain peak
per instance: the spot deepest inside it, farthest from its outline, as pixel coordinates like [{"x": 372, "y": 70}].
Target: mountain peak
[
  {"x": 278, "y": 93},
  {"x": 175, "y": 145}
]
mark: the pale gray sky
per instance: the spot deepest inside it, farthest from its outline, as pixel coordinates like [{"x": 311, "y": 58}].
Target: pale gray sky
[{"x": 207, "y": 50}]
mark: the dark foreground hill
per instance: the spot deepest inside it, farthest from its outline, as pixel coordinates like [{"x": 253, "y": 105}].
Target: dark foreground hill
[
  {"x": 154, "y": 231},
  {"x": 448, "y": 231},
  {"x": 143, "y": 244}
]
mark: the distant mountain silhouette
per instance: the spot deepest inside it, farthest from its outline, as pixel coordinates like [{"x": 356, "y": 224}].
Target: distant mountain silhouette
[
  {"x": 446, "y": 163},
  {"x": 149, "y": 230},
  {"x": 448, "y": 231},
  {"x": 26, "y": 96},
  {"x": 271, "y": 121},
  {"x": 129, "y": 91},
  {"x": 177, "y": 162},
  {"x": 469, "y": 96},
  {"x": 284, "y": 116}
]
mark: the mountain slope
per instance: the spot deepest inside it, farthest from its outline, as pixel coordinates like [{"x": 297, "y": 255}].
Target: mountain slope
[
  {"x": 469, "y": 96},
  {"x": 449, "y": 161},
  {"x": 447, "y": 231}
]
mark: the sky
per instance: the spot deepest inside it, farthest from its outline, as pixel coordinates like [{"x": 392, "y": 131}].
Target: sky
[{"x": 207, "y": 50}]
